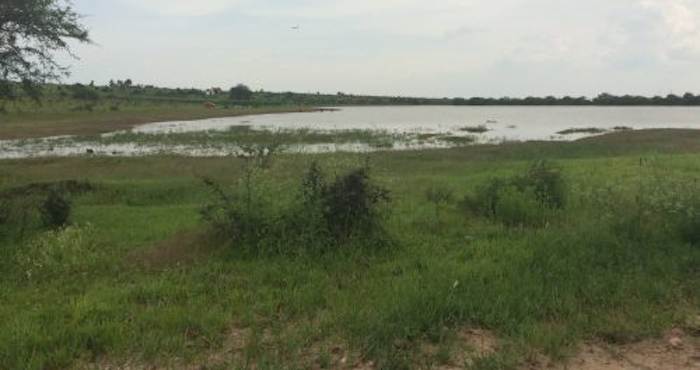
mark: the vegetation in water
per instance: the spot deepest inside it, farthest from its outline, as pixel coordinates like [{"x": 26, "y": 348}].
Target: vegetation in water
[{"x": 475, "y": 129}]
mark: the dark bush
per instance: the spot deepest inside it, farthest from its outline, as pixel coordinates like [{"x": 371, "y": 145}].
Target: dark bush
[
  {"x": 55, "y": 209},
  {"x": 351, "y": 205},
  {"x": 84, "y": 93},
  {"x": 28, "y": 208},
  {"x": 689, "y": 228}
]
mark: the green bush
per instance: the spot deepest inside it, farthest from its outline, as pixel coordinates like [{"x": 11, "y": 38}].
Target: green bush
[
  {"x": 528, "y": 199},
  {"x": 55, "y": 209},
  {"x": 547, "y": 183},
  {"x": 324, "y": 216}
]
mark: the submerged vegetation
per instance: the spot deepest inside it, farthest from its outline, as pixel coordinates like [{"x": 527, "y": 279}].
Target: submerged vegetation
[
  {"x": 583, "y": 130},
  {"x": 341, "y": 261},
  {"x": 475, "y": 129}
]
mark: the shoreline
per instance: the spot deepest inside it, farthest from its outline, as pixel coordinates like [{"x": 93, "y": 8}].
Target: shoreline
[{"x": 84, "y": 123}]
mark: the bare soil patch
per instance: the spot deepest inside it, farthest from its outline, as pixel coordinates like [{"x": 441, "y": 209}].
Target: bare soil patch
[
  {"x": 182, "y": 249},
  {"x": 677, "y": 350}
]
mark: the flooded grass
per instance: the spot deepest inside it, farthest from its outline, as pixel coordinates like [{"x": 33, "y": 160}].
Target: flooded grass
[
  {"x": 583, "y": 130},
  {"x": 475, "y": 129},
  {"x": 226, "y": 142}
]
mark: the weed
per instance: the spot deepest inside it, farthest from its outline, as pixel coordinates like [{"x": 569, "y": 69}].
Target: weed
[
  {"x": 60, "y": 252},
  {"x": 528, "y": 199},
  {"x": 655, "y": 207},
  {"x": 440, "y": 196}
]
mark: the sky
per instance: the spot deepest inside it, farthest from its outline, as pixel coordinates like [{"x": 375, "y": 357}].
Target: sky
[{"x": 438, "y": 48}]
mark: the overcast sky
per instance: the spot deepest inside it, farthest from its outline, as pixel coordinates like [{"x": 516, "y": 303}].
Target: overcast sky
[{"x": 398, "y": 47}]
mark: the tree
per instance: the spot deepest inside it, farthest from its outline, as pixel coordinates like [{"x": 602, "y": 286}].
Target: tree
[
  {"x": 85, "y": 93},
  {"x": 31, "y": 31},
  {"x": 240, "y": 92}
]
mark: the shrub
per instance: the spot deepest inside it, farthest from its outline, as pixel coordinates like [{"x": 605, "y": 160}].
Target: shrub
[
  {"x": 326, "y": 214},
  {"x": 85, "y": 93},
  {"x": 547, "y": 183},
  {"x": 351, "y": 205},
  {"x": 528, "y": 199},
  {"x": 55, "y": 210},
  {"x": 689, "y": 228}
]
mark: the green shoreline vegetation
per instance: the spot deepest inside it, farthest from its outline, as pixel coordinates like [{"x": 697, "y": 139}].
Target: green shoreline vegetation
[
  {"x": 90, "y": 109},
  {"x": 254, "y": 263}
]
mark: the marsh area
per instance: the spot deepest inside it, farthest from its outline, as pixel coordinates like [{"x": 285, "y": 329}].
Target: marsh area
[{"x": 358, "y": 129}]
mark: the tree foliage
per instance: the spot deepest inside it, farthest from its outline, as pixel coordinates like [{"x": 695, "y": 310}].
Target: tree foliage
[
  {"x": 240, "y": 92},
  {"x": 31, "y": 31}
]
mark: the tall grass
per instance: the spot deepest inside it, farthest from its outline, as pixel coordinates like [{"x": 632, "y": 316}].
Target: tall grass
[{"x": 599, "y": 250}]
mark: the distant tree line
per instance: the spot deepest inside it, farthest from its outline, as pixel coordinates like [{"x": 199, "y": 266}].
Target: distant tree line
[
  {"x": 242, "y": 95},
  {"x": 602, "y": 99}
]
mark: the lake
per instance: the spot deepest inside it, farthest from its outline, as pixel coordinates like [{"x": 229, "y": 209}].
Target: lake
[
  {"x": 487, "y": 124},
  {"x": 509, "y": 123}
]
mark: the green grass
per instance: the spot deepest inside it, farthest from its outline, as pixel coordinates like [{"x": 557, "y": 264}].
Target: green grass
[
  {"x": 152, "y": 288},
  {"x": 245, "y": 135},
  {"x": 60, "y": 116}
]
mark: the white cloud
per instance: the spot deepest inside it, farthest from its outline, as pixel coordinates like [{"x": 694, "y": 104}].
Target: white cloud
[
  {"x": 184, "y": 7},
  {"x": 680, "y": 25},
  {"x": 416, "y": 47}
]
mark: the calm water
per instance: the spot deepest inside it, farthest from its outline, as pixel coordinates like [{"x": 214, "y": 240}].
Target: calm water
[
  {"x": 510, "y": 123},
  {"x": 503, "y": 123}
]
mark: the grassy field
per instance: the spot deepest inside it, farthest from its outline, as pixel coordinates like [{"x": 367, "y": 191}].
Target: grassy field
[
  {"x": 26, "y": 119},
  {"x": 139, "y": 280}
]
